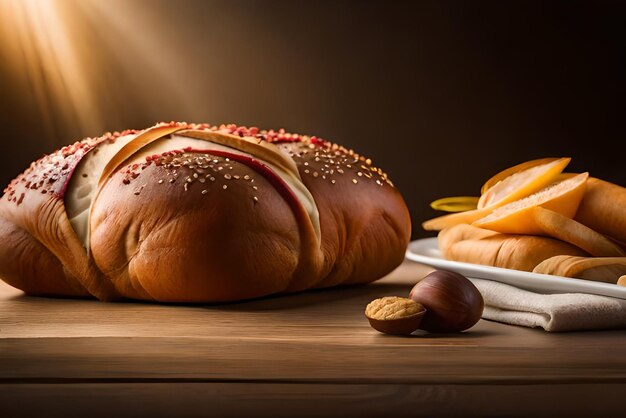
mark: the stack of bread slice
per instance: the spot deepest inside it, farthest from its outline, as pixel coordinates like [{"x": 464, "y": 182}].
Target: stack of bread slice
[{"x": 534, "y": 217}]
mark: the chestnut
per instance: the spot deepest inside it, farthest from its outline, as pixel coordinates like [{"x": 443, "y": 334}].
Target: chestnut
[{"x": 453, "y": 302}]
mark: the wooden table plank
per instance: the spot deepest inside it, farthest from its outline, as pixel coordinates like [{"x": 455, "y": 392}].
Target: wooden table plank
[
  {"x": 308, "y": 400},
  {"x": 235, "y": 360}
]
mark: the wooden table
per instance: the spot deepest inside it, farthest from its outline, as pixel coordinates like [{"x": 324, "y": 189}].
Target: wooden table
[{"x": 307, "y": 354}]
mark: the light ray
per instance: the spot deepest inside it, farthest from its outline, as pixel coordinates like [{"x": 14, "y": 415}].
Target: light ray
[
  {"x": 92, "y": 66},
  {"x": 42, "y": 49}
]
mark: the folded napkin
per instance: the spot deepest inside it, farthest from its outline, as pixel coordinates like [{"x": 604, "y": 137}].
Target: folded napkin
[{"x": 558, "y": 312}]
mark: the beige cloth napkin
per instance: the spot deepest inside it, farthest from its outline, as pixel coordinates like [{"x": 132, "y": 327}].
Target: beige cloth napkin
[{"x": 558, "y": 312}]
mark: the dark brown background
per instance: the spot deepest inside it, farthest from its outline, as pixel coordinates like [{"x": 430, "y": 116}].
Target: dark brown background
[{"x": 440, "y": 94}]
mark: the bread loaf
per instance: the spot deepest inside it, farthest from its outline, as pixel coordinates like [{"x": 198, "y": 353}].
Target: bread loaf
[
  {"x": 199, "y": 213},
  {"x": 519, "y": 252},
  {"x": 599, "y": 269},
  {"x": 603, "y": 209}
]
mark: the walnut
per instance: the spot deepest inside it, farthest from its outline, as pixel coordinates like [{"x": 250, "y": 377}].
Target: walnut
[{"x": 395, "y": 315}]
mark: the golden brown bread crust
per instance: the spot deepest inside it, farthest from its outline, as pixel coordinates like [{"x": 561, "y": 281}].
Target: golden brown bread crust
[
  {"x": 560, "y": 227},
  {"x": 600, "y": 269},
  {"x": 603, "y": 209},
  {"x": 235, "y": 237},
  {"x": 216, "y": 246},
  {"x": 30, "y": 259},
  {"x": 519, "y": 252},
  {"x": 36, "y": 233},
  {"x": 365, "y": 223}
]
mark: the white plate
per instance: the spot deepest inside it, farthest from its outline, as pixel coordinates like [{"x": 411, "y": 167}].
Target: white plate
[{"x": 426, "y": 251}]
